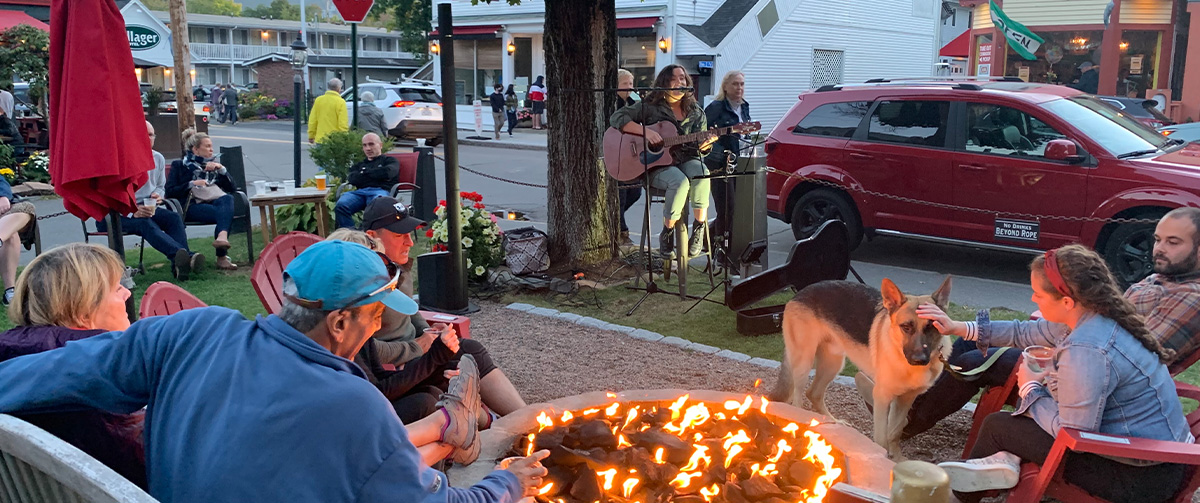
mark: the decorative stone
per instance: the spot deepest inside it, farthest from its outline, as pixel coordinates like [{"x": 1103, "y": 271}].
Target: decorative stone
[
  {"x": 733, "y": 355},
  {"x": 675, "y": 341},
  {"x": 702, "y": 348},
  {"x": 520, "y": 306},
  {"x": 591, "y": 322},
  {"x": 571, "y": 317},
  {"x": 763, "y": 362},
  {"x": 646, "y": 335},
  {"x": 621, "y": 328},
  {"x": 543, "y": 311}
]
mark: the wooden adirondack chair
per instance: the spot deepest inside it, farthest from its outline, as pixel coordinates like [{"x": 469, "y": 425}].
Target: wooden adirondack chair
[{"x": 163, "y": 298}]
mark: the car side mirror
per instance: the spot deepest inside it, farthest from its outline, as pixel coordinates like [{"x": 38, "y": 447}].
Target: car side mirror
[{"x": 1063, "y": 150}]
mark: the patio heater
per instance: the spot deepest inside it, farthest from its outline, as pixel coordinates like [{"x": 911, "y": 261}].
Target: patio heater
[{"x": 299, "y": 61}]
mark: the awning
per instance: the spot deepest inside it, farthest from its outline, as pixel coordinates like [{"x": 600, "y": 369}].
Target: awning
[
  {"x": 11, "y": 18},
  {"x": 634, "y": 26},
  {"x": 960, "y": 47},
  {"x": 472, "y": 32}
]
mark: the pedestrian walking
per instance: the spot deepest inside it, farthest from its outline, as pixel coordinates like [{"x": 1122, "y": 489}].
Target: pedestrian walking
[
  {"x": 537, "y": 94},
  {"x": 328, "y": 113},
  {"x": 510, "y": 108},
  {"x": 496, "y": 99},
  {"x": 230, "y": 98}
]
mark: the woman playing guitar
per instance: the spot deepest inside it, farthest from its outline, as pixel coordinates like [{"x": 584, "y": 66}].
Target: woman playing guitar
[{"x": 681, "y": 109}]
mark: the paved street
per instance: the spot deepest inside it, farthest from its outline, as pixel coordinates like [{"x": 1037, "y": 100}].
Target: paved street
[{"x": 982, "y": 278}]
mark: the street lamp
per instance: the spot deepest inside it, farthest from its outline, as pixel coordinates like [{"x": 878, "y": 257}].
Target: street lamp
[{"x": 299, "y": 60}]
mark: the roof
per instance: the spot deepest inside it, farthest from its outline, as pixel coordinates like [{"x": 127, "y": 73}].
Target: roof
[
  {"x": 273, "y": 56},
  {"x": 960, "y": 47},
  {"x": 212, "y": 20},
  {"x": 721, "y": 22},
  {"x": 344, "y": 62},
  {"x": 11, "y": 18}
]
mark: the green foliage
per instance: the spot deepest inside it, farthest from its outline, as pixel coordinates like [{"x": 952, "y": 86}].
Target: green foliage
[
  {"x": 303, "y": 217},
  {"x": 7, "y": 161},
  {"x": 277, "y": 9},
  {"x": 34, "y": 169},
  {"x": 25, "y": 53},
  {"x": 153, "y": 97},
  {"x": 218, "y": 7},
  {"x": 412, "y": 20},
  {"x": 340, "y": 150}
]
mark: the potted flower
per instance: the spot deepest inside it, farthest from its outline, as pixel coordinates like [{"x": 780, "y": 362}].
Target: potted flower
[{"x": 480, "y": 235}]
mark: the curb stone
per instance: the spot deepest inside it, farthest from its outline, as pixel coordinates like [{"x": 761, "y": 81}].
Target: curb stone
[
  {"x": 521, "y": 306},
  {"x": 763, "y": 362},
  {"x": 623, "y": 329},
  {"x": 571, "y": 317},
  {"x": 646, "y": 335},
  {"x": 543, "y": 311},
  {"x": 675, "y": 341},
  {"x": 703, "y": 348},
  {"x": 733, "y": 355},
  {"x": 592, "y": 322}
]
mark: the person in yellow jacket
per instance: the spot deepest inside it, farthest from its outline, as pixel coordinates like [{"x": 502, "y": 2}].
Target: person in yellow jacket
[{"x": 328, "y": 113}]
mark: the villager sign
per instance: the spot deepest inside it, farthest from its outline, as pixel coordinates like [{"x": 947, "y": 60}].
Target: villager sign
[
  {"x": 1025, "y": 42},
  {"x": 1024, "y": 231},
  {"x": 142, "y": 38}
]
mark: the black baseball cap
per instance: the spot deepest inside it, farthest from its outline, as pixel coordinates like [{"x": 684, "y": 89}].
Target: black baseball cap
[{"x": 390, "y": 214}]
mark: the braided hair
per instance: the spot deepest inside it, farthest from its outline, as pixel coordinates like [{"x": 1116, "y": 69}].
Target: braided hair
[{"x": 1092, "y": 285}]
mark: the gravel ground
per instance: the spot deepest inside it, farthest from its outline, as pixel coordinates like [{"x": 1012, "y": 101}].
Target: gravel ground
[{"x": 548, "y": 359}]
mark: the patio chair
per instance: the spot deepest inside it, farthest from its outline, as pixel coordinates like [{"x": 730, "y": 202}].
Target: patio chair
[
  {"x": 405, "y": 182},
  {"x": 37, "y": 467},
  {"x": 1046, "y": 480},
  {"x": 163, "y": 298},
  {"x": 87, "y": 235},
  {"x": 231, "y": 158},
  {"x": 267, "y": 278}
]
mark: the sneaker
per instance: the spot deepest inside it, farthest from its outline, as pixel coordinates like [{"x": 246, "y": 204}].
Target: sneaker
[
  {"x": 224, "y": 264},
  {"x": 8, "y": 295},
  {"x": 182, "y": 264},
  {"x": 866, "y": 390},
  {"x": 1001, "y": 470},
  {"x": 666, "y": 242},
  {"x": 462, "y": 407},
  {"x": 696, "y": 240},
  {"x": 197, "y": 262}
]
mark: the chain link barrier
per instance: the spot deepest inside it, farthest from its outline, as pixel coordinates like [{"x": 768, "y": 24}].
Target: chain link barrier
[
  {"x": 969, "y": 209},
  {"x": 52, "y": 215},
  {"x": 493, "y": 177}
]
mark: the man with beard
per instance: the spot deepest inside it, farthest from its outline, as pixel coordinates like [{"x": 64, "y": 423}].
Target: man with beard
[{"x": 1169, "y": 299}]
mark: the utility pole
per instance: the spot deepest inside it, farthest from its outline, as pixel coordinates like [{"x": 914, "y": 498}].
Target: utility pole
[{"x": 183, "y": 65}]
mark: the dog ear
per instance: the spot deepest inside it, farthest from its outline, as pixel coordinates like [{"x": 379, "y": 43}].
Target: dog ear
[
  {"x": 893, "y": 298},
  {"x": 941, "y": 296}
]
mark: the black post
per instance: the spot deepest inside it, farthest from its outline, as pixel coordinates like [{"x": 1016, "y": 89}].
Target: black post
[
  {"x": 116, "y": 241},
  {"x": 456, "y": 280},
  {"x": 297, "y": 109},
  {"x": 354, "y": 70},
  {"x": 425, "y": 198}
]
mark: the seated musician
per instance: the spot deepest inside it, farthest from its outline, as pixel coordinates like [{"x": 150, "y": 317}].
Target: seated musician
[{"x": 680, "y": 109}]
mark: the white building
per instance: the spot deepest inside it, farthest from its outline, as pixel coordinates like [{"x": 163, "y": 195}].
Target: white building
[{"x": 783, "y": 46}]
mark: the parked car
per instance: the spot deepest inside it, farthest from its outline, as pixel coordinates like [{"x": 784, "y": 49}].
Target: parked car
[
  {"x": 24, "y": 106},
  {"x": 169, "y": 104},
  {"x": 411, "y": 110},
  {"x": 992, "y": 164},
  {"x": 1188, "y": 131},
  {"x": 1144, "y": 110}
]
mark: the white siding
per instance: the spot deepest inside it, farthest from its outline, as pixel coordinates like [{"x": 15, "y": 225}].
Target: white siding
[
  {"x": 687, "y": 44},
  {"x": 1055, "y": 12},
  {"x": 1146, "y": 11},
  {"x": 689, "y": 12},
  {"x": 983, "y": 17},
  {"x": 464, "y": 10}
]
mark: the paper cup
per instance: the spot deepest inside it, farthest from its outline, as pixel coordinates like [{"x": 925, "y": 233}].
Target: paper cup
[
  {"x": 1039, "y": 359},
  {"x": 289, "y": 187},
  {"x": 260, "y": 187}
]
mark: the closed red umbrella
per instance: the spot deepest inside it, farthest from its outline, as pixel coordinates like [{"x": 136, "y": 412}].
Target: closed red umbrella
[{"x": 99, "y": 150}]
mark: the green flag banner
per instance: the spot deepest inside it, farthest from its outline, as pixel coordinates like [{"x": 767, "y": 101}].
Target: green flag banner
[{"x": 1022, "y": 40}]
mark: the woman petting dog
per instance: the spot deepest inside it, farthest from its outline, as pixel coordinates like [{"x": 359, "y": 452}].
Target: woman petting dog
[{"x": 1108, "y": 376}]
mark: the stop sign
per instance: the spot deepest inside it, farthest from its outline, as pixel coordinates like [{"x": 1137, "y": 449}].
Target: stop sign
[{"x": 353, "y": 11}]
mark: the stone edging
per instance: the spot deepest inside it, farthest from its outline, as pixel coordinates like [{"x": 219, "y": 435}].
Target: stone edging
[{"x": 646, "y": 335}]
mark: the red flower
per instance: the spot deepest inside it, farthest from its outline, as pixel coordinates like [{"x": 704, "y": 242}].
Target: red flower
[
  {"x": 479, "y": 206},
  {"x": 442, "y": 203},
  {"x": 439, "y": 247},
  {"x": 429, "y": 233},
  {"x": 471, "y": 196}
]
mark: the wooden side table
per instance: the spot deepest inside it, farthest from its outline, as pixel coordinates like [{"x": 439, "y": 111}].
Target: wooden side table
[{"x": 267, "y": 202}]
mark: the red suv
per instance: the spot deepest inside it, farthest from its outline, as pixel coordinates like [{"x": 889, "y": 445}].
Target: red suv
[{"x": 996, "y": 164}]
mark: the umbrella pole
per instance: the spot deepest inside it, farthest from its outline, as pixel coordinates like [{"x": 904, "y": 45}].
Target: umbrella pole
[{"x": 116, "y": 241}]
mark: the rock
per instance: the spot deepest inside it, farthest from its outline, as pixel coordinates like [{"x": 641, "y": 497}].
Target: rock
[
  {"x": 758, "y": 488},
  {"x": 586, "y": 487},
  {"x": 596, "y": 433},
  {"x": 733, "y": 493}
]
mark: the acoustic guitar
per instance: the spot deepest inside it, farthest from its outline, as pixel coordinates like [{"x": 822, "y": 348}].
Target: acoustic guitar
[{"x": 626, "y": 159}]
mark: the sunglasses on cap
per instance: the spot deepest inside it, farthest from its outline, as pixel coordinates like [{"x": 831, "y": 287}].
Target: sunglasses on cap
[
  {"x": 393, "y": 271},
  {"x": 401, "y": 214}
]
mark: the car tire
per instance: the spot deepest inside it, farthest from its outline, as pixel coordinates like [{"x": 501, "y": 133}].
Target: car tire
[
  {"x": 1129, "y": 251},
  {"x": 817, "y": 206},
  {"x": 433, "y": 142}
]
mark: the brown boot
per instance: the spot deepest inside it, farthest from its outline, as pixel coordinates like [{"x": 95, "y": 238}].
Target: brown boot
[{"x": 224, "y": 264}]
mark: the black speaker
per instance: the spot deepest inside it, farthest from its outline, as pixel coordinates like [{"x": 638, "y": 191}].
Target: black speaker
[
  {"x": 748, "y": 225},
  {"x": 435, "y": 292}
]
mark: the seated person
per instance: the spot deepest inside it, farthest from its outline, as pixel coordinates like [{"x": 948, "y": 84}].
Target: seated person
[
  {"x": 71, "y": 293},
  {"x": 408, "y": 340},
  {"x": 199, "y": 168},
  {"x": 162, "y": 228},
  {"x": 299, "y": 424},
  {"x": 17, "y": 225},
  {"x": 1109, "y": 376},
  {"x": 372, "y": 177},
  {"x": 1169, "y": 300}
]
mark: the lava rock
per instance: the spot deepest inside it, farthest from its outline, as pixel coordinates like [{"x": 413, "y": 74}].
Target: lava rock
[
  {"x": 758, "y": 488},
  {"x": 733, "y": 493},
  {"x": 596, "y": 433},
  {"x": 586, "y": 487}
]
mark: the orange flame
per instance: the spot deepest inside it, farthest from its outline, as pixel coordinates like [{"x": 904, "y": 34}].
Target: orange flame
[
  {"x": 708, "y": 494},
  {"x": 766, "y": 471},
  {"x": 567, "y": 416},
  {"x": 820, "y": 453},
  {"x": 694, "y": 462},
  {"x": 612, "y": 409},
  {"x": 781, "y": 448},
  {"x": 610, "y": 394},
  {"x": 813, "y": 423},
  {"x": 733, "y": 445},
  {"x": 791, "y": 428},
  {"x": 622, "y": 443},
  {"x": 721, "y": 416},
  {"x": 757, "y": 383},
  {"x": 677, "y": 406},
  {"x": 545, "y": 489},
  {"x": 763, "y": 409},
  {"x": 696, "y": 415},
  {"x": 627, "y": 487},
  {"x": 658, "y": 455},
  {"x": 608, "y": 477},
  {"x": 632, "y": 415},
  {"x": 684, "y": 479},
  {"x": 590, "y": 412},
  {"x": 544, "y": 421},
  {"x": 529, "y": 448},
  {"x": 745, "y": 405}
]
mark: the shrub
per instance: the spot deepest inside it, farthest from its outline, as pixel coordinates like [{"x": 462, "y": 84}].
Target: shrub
[
  {"x": 340, "y": 150},
  {"x": 262, "y": 106},
  {"x": 303, "y": 217},
  {"x": 35, "y": 169}
]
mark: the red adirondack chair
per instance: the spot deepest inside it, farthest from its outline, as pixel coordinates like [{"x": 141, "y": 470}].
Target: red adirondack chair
[
  {"x": 267, "y": 279},
  {"x": 406, "y": 181},
  {"x": 267, "y": 275},
  {"x": 163, "y": 298},
  {"x": 1046, "y": 480}
]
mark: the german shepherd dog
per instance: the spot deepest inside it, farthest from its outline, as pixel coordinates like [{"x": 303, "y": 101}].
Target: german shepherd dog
[{"x": 879, "y": 331}]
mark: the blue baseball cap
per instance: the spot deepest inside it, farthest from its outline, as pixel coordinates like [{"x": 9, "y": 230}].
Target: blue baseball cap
[{"x": 333, "y": 275}]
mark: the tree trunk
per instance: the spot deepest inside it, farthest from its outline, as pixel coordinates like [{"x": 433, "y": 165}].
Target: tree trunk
[
  {"x": 581, "y": 55},
  {"x": 183, "y": 65}
]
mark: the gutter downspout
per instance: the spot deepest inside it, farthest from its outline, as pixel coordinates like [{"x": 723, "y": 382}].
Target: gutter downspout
[{"x": 231, "y": 54}]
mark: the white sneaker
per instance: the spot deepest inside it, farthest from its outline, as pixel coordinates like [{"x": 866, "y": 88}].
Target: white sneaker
[{"x": 998, "y": 471}]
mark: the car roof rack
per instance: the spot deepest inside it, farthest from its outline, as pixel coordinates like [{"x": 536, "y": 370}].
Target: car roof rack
[
  {"x": 966, "y": 84},
  {"x": 946, "y": 79}
]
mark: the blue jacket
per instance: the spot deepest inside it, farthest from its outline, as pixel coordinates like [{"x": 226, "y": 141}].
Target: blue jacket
[
  {"x": 721, "y": 114},
  {"x": 241, "y": 410},
  {"x": 1104, "y": 380}
]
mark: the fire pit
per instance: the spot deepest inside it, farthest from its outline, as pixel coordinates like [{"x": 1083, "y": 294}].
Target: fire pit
[{"x": 675, "y": 445}]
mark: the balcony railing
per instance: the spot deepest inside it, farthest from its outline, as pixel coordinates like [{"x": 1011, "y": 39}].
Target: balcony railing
[{"x": 226, "y": 53}]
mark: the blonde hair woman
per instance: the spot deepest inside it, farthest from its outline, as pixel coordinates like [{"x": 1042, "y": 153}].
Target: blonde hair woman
[
  {"x": 727, "y": 109},
  {"x": 71, "y": 293},
  {"x": 199, "y": 168}
]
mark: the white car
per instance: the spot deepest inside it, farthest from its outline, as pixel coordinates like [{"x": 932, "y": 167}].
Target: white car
[{"x": 410, "y": 110}]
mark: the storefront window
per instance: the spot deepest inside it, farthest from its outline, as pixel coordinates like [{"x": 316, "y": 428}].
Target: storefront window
[
  {"x": 1058, "y": 58},
  {"x": 477, "y": 66},
  {"x": 637, "y": 55},
  {"x": 1139, "y": 62}
]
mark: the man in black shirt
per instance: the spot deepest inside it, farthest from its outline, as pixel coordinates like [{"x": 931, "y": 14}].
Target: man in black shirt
[
  {"x": 496, "y": 99},
  {"x": 371, "y": 178}
]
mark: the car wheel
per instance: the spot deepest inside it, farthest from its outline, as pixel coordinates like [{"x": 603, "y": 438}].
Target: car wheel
[
  {"x": 818, "y": 206},
  {"x": 433, "y": 142},
  {"x": 1129, "y": 252}
]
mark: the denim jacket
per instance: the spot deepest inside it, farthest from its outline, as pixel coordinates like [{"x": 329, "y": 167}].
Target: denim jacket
[{"x": 1107, "y": 382}]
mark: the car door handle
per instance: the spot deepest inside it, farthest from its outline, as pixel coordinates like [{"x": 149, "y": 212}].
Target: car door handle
[
  {"x": 972, "y": 167},
  {"x": 864, "y": 157}
]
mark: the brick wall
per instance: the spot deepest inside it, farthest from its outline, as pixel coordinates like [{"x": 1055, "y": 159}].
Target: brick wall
[{"x": 275, "y": 79}]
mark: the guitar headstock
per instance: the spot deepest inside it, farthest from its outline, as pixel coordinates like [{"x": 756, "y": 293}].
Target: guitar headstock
[{"x": 745, "y": 127}]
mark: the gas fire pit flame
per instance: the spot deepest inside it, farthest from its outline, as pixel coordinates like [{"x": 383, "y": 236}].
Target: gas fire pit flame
[{"x": 681, "y": 451}]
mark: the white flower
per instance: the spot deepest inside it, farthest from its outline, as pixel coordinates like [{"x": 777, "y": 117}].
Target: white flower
[
  {"x": 468, "y": 263},
  {"x": 480, "y": 270},
  {"x": 466, "y": 242},
  {"x": 440, "y": 212}
]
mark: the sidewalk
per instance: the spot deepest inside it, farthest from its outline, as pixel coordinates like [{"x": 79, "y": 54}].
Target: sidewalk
[{"x": 521, "y": 139}]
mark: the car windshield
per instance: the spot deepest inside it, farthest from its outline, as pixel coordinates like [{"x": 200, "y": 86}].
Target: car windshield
[{"x": 1115, "y": 131}]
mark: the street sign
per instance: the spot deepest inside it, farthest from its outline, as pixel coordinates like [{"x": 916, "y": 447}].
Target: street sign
[
  {"x": 478, "y": 106},
  {"x": 353, "y": 11}
]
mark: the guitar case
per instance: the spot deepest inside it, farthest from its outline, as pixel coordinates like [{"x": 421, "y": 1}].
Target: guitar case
[{"x": 823, "y": 256}]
